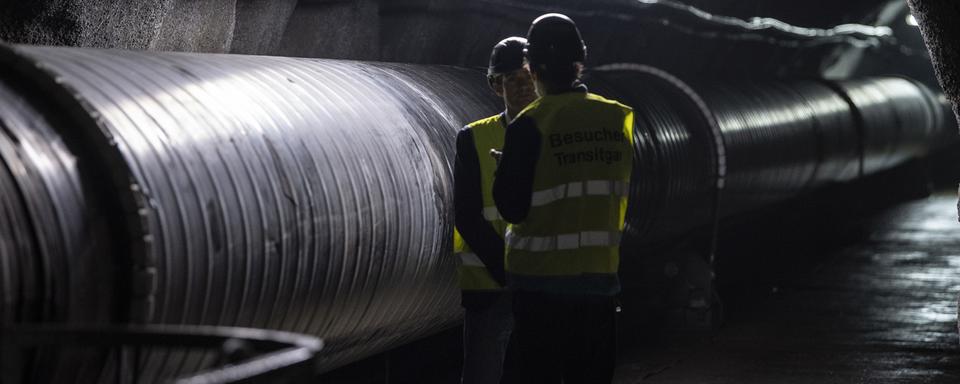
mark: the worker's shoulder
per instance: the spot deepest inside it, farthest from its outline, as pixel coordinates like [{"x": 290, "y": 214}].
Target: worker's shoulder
[
  {"x": 494, "y": 120},
  {"x": 595, "y": 98},
  {"x": 531, "y": 109}
]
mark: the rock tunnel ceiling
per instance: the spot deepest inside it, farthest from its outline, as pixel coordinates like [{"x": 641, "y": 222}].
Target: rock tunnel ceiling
[{"x": 457, "y": 32}]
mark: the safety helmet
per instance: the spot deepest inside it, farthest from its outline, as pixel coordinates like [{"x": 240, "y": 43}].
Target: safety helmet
[
  {"x": 507, "y": 56},
  {"x": 554, "y": 39}
]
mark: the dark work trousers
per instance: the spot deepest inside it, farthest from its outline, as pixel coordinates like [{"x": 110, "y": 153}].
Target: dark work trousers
[
  {"x": 487, "y": 334},
  {"x": 566, "y": 337}
]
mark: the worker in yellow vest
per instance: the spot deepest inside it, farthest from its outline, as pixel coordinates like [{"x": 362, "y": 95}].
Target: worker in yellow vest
[
  {"x": 478, "y": 239},
  {"x": 562, "y": 183}
]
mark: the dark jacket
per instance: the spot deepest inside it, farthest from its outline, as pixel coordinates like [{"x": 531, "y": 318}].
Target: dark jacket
[
  {"x": 513, "y": 184},
  {"x": 473, "y": 227}
]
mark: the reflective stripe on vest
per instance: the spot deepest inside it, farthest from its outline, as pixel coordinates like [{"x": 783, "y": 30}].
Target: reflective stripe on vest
[
  {"x": 563, "y": 242},
  {"x": 577, "y": 189},
  {"x": 492, "y": 214},
  {"x": 471, "y": 273},
  {"x": 570, "y": 240},
  {"x": 470, "y": 259},
  {"x": 487, "y": 134}
]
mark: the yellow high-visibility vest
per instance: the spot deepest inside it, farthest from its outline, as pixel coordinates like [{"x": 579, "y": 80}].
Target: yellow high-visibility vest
[
  {"x": 487, "y": 134},
  {"x": 570, "y": 240}
]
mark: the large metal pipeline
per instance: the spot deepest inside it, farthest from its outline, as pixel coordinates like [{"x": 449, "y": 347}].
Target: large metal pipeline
[
  {"x": 727, "y": 148},
  {"x": 315, "y": 195}
]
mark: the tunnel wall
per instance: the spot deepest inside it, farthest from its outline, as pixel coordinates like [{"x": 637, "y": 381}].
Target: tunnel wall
[
  {"x": 941, "y": 33},
  {"x": 452, "y": 32}
]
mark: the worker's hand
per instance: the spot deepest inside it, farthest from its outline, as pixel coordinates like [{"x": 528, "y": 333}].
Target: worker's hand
[
  {"x": 496, "y": 155},
  {"x": 495, "y": 265}
]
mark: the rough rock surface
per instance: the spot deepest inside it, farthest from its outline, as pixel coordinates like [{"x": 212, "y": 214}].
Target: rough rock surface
[
  {"x": 336, "y": 30},
  {"x": 260, "y": 25},
  {"x": 89, "y": 23},
  {"x": 196, "y": 26},
  {"x": 941, "y": 32},
  {"x": 179, "y": 25},
  {"x": 454, "y": 32}
]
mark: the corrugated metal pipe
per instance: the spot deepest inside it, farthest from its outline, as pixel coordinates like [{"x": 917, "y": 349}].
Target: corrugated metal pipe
[{"x": 315, "y": 196}]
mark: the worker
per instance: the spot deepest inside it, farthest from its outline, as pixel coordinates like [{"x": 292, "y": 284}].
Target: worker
[
  {"x": 488, "y": 320},
  {"x": 562, "y": 183}
]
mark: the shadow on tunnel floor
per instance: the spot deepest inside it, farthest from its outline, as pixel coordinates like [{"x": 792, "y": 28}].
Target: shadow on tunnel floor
[
  {"x": 763, "y": 264},
  {"x": 854, "y": 284}
]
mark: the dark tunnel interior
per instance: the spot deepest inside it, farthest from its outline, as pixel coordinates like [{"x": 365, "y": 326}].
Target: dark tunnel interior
[{"x": 189, "y": 188}]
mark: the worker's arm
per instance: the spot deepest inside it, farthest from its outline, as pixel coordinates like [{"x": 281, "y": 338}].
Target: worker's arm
[
  {"x": 468, "y": 208},
  {"x": 513, "y": 184}
]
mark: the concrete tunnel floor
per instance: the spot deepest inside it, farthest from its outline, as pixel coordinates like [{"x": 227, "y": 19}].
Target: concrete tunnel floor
[
  {"x": 880, "y": 310},
  {"x": 873, "y": 299}
]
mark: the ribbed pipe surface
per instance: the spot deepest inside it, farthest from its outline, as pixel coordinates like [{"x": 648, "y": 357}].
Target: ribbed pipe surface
[
  {"x": 315, "y": 195},
  {"x": 677, "y": 151},
  {"x": 51, "y": 246},
  {"x": 909, "y": 115},
  {"x": 305, "y": 195}
]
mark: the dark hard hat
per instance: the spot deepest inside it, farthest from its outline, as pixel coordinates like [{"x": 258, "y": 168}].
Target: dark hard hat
[
  {"x": 554, "y": 39},
  {"x": 507, "y": 56}
]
